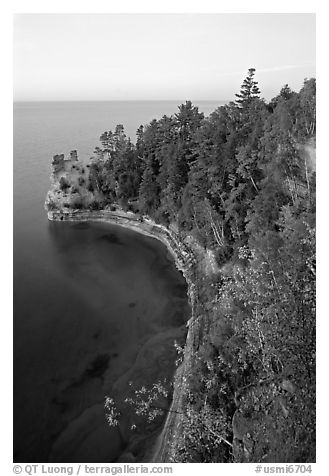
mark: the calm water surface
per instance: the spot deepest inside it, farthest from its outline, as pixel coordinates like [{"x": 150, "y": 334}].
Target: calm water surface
[{"x": 95, "y": 306}]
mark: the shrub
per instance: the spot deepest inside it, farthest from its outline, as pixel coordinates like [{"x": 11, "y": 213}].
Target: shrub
[
  {"x": 94, "y": 205},
  {"x": 77, "y": 204},
  {"x": 64, "y": 184},
  {"x": 51, "y": 205}
]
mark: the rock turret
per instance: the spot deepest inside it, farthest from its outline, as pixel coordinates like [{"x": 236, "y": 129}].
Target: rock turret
[{"x": 72, "y": 186}]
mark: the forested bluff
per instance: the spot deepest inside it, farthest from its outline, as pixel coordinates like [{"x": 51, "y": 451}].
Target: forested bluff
[{"x": 233, "y": 196}]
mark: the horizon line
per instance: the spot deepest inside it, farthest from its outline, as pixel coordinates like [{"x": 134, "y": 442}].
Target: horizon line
[{"x": 117, "y": 100}]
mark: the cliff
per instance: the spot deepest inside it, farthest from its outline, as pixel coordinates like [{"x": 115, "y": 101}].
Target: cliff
[{"x": 190, "y": 258}]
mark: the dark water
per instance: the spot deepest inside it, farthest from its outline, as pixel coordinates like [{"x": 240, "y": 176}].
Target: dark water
[{"x": 95, "y": 306}]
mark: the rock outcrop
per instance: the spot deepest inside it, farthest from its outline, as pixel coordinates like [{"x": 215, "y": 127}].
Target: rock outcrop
[{"x": 71, "y": 184}]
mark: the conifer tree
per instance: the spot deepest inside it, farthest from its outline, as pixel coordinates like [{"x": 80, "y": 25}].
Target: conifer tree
[{"x": 249, "y": 89}]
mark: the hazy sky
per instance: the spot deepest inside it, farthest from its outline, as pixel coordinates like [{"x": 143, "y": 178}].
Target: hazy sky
[{"x": 159, "y": 56}]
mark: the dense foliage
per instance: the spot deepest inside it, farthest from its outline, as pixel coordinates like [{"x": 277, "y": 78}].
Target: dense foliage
[{"x": 242, "y": 182}]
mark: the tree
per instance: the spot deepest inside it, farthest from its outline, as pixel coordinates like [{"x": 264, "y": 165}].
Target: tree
[
  {"x": 307, "y": 115},
  {"x": 149, "y": 192},
  {"x": 107, "y": 141},
  {"x": 188, "y": 120},
  {"x": 206, "y": 428},
  {"x": 140, "y": 145},
  {"x": 249, "y": 90}
]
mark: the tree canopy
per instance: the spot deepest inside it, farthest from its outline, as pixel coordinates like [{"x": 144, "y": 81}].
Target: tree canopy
[{"x": 242, "y": 183}]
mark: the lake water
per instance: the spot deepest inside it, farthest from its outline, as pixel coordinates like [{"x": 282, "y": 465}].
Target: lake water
[{"x": 95, "y": 306}]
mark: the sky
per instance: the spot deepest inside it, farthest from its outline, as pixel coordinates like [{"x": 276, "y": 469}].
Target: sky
[{"x": 159, "y": 56}]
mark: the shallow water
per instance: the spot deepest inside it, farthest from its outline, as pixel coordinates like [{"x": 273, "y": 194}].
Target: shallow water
[
  {"x": 95, "y": 306},
  {"x": 79, "y": 328}
]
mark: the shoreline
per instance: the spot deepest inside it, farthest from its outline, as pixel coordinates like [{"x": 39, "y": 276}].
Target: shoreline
[
  {"x": 183, "y": 256},
  {"x": 186, "y": 261}
]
